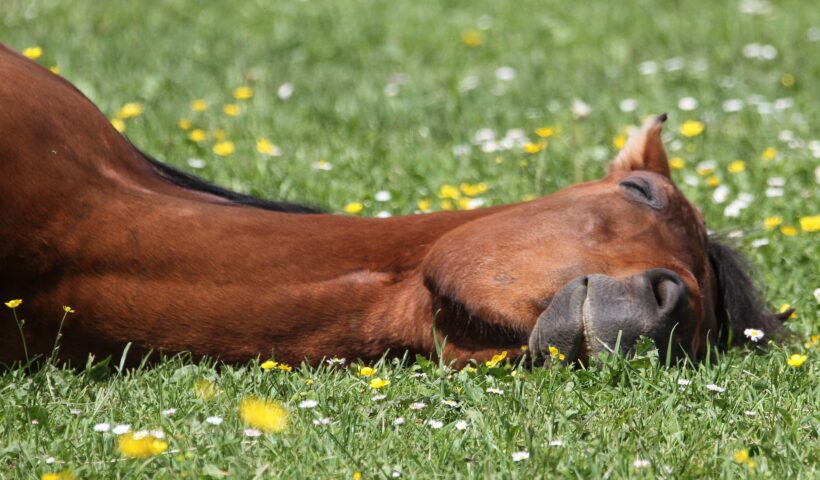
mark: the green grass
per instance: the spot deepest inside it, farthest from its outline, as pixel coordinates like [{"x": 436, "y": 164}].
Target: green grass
[{"x": 340, "y": 57}]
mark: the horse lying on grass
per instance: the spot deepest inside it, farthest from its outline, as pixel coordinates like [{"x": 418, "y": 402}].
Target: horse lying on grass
[{"x": 155, "y": 257}]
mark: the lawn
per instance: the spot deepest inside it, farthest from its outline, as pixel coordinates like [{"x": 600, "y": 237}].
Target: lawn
[{"x": 387, "y": 108}]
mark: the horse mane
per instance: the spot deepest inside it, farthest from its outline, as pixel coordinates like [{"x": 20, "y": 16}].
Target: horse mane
[
  {"x": 192, "y": 182},
  {"x": 739, "y": 302}
]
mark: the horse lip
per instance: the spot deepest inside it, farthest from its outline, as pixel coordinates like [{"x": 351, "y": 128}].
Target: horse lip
[{"x": 585, "y": 323}]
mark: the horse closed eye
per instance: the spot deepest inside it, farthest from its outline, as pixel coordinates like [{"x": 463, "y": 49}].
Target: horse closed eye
[{"x": 642, "y": 191}]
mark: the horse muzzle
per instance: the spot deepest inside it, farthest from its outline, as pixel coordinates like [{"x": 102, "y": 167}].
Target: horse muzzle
[{"x": 594, "y": 313}]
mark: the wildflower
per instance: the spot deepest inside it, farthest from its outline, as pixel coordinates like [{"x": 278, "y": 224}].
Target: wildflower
[
  {"x": 715, "y": 388},
  {"x": 197, "y": 135},
  {"x": 468, "y": 369},
  {"x": 641, "y": 463},
  {"x": 367, "y": 371},
  {"x": 199, "y": 105},
  {"x": 505, "y": 74},
  {"x": 472, "y": 38},
  {"x": 121, "y": 429},
  {"x": 519, "y": 456},
  {"x": 357, "y": 475},
  {"x": 263, "y": 414},
  {"x": 54, "y": 69},
  {"x": 336, "y": 361},
  {"x": 769, "y": 153},
  {"x": 556, "y": 443},
  {"x": 14, "y": 303},
  {"x": 265, "y": 147},
  {"x": 683, "y": 382},
  {"x": 134, "y": 446},
  {"x": 204, "y": 389},
  {"x": 449, "y": 191},
  {"x": 742, "y": 456},
  {"x": 322, "y": 165},
  {"x": 251, "y": 432},
  {"x": 129, "y": 110},
  {"x": 398, "y": 421},
  {"x": 496, "y": 359},
  {"x": 436, "y": 424},
  {"x": 118, "y": 124},
  {"x": 785, "y": 307},
  {"x": 33, "y": 53},
  {"x": 230, "y": 109},
  {"x": 535, "y": 147},
  {"x": 424, "y": 205},
  {"x": 749, "y": 413},
  {"x": 713, "y": 181},
  {"x": 379, "y": 383},
  {"x": 496, "y": 391},
  {"x": 214, "y": 420},
  {"x": 75, "y": 411},
  {"x": 796, "y": 360},
  {"x": 379, "y": 397},
  {"x": 309, "y": 381},
  {"x": 168, "y": 412},
  {"x": 102, "y": 427},
  {"x": 771, "y": 222},
  {"x": 224, "y": 148},
  {"x": 628, "y": 105},
  {"x": 691, "y": 128},
  {"x": 737, "y": 166},
  {"x": 382, "y": 196},
  {"x": 676, "y": 163},
  {"x": 285, "y": 91},
  {"x": 555, "y": 353},
  {"x": 580, "y": 109},
  {"x": 450, "y": 403},
  {"x": 687, "y": 104},
  {"x": 308, "y": 404},
  {"x": 810, "y": 224},
  {"x": 354, "y": 207},
  {"x": 753, "y": 334},
  {"x": 63, "y": 475},
  {"x": 619, "y": 141},
  {"x": 546, "y": 132},
  {"x": 285, "y": 367},
  {"x": 268, "y": 365},
  {"x": 242, "y": 93},
  {"x": 417, "y": 405},
  {"x": 461, "y": 425},
  {"x": 788, "y": 230}
]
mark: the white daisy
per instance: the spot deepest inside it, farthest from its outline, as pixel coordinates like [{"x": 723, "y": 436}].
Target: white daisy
[
  {"x": 506, "y": 74},
  {"x": 435, "y": 424},
  {"x": 715, "y": 388},
  {"x": 285, "y": 91},
  {"x": 628, "y": 105},
  {"x": 398, "y": 421},
  {"x": 379, "y": 397},
  {"x": 641, "y": 463},
  {"x": 102, "y": 427},
  {"x": 461, "y": 425},
  {"x": 753, "y": 334},
  {"x": 519, "y": 456},
  {"x": 214, "y": 420},
  {"x": 252, "y": 432},
  {"x": 121, "y": 429},
  {"x": 494, "y": 390},
  {"x": 308, "y": 403},
  {"x": 382, "y": 196},
  {"x": 168, "y": 412},
  {"x": 450, "y": 403},
  {"x": 417, "y": 405},
  {"x": 321, "y": 421},
  {"x": 556, "y": 443}
]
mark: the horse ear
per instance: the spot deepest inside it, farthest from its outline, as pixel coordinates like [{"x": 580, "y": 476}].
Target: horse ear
[{"x": 643, "y": 151}]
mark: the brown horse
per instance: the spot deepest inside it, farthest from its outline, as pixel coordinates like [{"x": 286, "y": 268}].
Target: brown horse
[{"x": 149, "y": 255}]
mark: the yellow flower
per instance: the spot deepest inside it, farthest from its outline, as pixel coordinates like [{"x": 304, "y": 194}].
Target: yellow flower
[
  {"x": 14, "y": 303},
  {"x": 472, "y": 38},
  {"x": 268, "y": 365},
  {"x": 68, "y": 309},
  {"x": 676, "y": 163},
  {"x": 204, "y": 389},
  {"x": 118, "y": 124},
  {"x": 524, "y": 348},
  {"x": 199, "y": 105},
  {"x": 367, "y": 371},
  {"x": 264, "y": 415},
  {"x": 737, "y": 166},
  {"x": 197, "y": 135},
  {"x": 242, "y": 93},
  {"x": 713, "y": 181},
  {"x": 546, "y": 132},
  {"x": 140, "y": 446},
  {"x": 354, "y": 207},
  {"x": 691, "y": 128},
  {"x": 308, "y": 381},
  {"x": 496, "y": 359},
  {"x": 129, "y": 110},
  {"x": 771, "y": 222},
  {"x": 795, "y": 360},
  {"x": 219, "y": 134},
  {"x": 535, "y": 147},
  {"x": 742, "y": 456},
  {"x": 619, "y": 141},
  {"x": 787, "y": 80},
  {"x": 184, "y": 123},
  {"x": 468, "y": 369},
  {"x": 55, "y": 69},
  {"x": 814, "y": 339},
  {"x": 285, "y": 367},
  {"x": 473, "y": 190},
  {"x": 810, "y": 224},
  {"x": 64, "y": 475},
  {"x": 785, "y": 307},
  {"x": 33, "y": 53},
  {"x": 231, "y": 110},
  {"x": 424, "y": 205},
  {"x": 449, "y": 191},
  {"x": 555, "y": 353},
  {"x": 788, "y": 230},
  {"x": 379, "y": 383},
  {"x": 357, "y": 475},
  {"x": 769, "y": 153},
  {"x": 224, "y": 148},
  {"x": 704, "y": 171},
  {"x": 265, "y": 147}
]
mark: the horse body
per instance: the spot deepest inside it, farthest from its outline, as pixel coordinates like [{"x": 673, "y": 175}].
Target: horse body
[{"x": 87, "y": 220}]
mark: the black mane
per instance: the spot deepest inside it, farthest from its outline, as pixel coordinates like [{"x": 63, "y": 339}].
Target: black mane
[
  {"x": 739, "y": 302},
  {"x": 192, "y": 182}
]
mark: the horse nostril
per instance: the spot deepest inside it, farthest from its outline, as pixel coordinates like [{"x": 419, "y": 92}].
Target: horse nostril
[{"x": 667, "y": 287}]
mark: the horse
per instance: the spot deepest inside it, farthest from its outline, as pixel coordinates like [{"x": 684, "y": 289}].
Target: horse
[{"x": 158, "y": 259}]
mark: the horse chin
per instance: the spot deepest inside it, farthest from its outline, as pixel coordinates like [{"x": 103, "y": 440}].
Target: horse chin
[{"x": 563, "y": 325}]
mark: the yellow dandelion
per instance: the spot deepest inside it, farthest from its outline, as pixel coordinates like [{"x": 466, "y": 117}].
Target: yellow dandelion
[
  {"x": 33, "y": 53},
  {"x": 468, "y": 369},
  {"x": 814, "y": 339},
  {"x": 535, "y": 147},
  {"x": 449, "y": 191},
  {"x": 205, "y": 389},
  {"x": 704, "y": 171},
  {"x": 268, "y": 365},
  {"x": 14, "y": 303},
  {"x": 219, "y": 134},
  {"x": 230, "y": 109},
  {"x": 472, "y": 38},
  {"x": 197, "y": 135},
  {"x": 737, "y": 166},
  {"x": 354, "y": 207},
  {"x": 787, "y": 80},
  {"x": 619, "y": 141},
  {"x": 691, "y": 128},
  {"x": 367, "y": 371},
  {"x": 713, "y": 181},
  {"x": 676, "y": 163},
  {"x": 129, "y": 110},
  {"x": 424, "y": 205},
  {"x": 357, "y": 475},
  {"x": 810, "y": 224},
  {"x": 524, "y": 348},
  {"x": 118, "y": 124},
  {"x": 242, "y": 93},
  {"x": 64, "y": 475},
  {"x": 199, "y": 105},
  {"x": 379, "y": 383},
  {"x": 224, "y": 148},
  {"x": 497, "y": 358},
  {"x": 137, "y": 445},
  {"x": 769, "y": 153},
  {"x": 796, "y": 360},
  {"x": 770, "y": 223},
  {"x": 54, "y": 69},
  {"x": 788, "y": 230},
  {"x": 785, "y": 307},
  {"x": 68, "y": 309},
  {"x": 184, "y": 123},
  {"x": 742, "y": 456},
  {"x": 285, "y": 367},
  {"x": 264, "y": 415},
  {"x": 309, "y": 381},
  {"x": 546, "y": 132},
  {"x": 265, "y": 147}
]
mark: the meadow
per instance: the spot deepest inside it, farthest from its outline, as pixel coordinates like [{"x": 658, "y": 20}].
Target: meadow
[{"x": 369, "y": 107}]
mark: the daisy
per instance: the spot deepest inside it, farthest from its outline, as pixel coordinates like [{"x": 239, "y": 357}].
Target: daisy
[
  {"x": 379, "y": 397},
  {"x": 494, "y": 390},
  {"x": 398, "y": 421},
  {"x": 285, "y": 91},
  {"x": 252, "y": 432},
  {"x": 556, "y": 443},
  {"x": 753, "y": 334},
  {"x": 417, "y": 405},
  {"x": 715, "y": 388},
  {"x": 450, "y": 403},
  {"x": 519, "y": 456},
  {"x": 308, "y": 403},
  {"x": 214, "y": 420},
  {"x": 121, "y": 429},
  {"x": 641, "y": 463},
  {"x": 461, "y": 425},
  {"x": 321, "y": 421},
  {"x": 382, "y": 196},
  {"x": 102, "y": 427},
  {"x": 168, "y": 412},
  {"x": 435, "y": 424}
]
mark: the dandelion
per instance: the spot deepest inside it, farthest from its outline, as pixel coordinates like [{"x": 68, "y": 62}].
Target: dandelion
[
  {"x": 379, "y": 383},
  {"x": 713, "y": 181},
  {"x": 284, "y": 367},
  {"x": 63, "y": 475},
  {"x": 224, "y": 148},
  {"x": 788, "y": 230},
  {"x": 495, "y": 391},
  {"x": 242, "y": 93},
  {"x": 197, "y": 135},
  {"x": 641, "y": 463},
  {"x": 810, "y": 224},
  {"x": 12, "y": 304},
  {"x": 519, "y": 456},
  {"x": 102, "y": 427},
  {"x": 199, "y": 105},
  {"x": 769, "y": 153},
  {"x": 546, "y": 132},
  {"x": 619, "y": 141},
  {"x": 204, "y": 389},
  {"x": 435, "y": 424},
  {"x": 121, "y": 429},
  {"x": 424, "y": 205},
  {"x": 787, "y": 80},
  {"x": 753, "y": 334},
  {"x": 472, "y": 38},
  {"x": 449, "y": 191},
  {"x": 742, "y": 456},
  {"x": 796, "y": 360},
  {"x": 770, "y": 223},
  {"x": 785, "y": 307},
  {"x": 417, "y": 405},
  {"x": 268, "y": 365},
  {"x": 266, "y": 147},
  {"x": 33, "y": 53},
  {"x": 676, "y": 163},
  {"x": 263, "y": 415},
  {"x": 496, "y": 359},
  {"x": 140, "y": 446},
  {"x": 367, "y": 371},
  {"x": 354, "y": 207},
  {"x": 737, "y": 166},
  {"x": 691, "y": 128},
  {"x": 308, "y": 404},
  {"x": 129, "y": 110},
  {"x": 715, "y": 388},
  {"x": 230, "y": 109},
  {"x": 214, "y": 420},
  {"x": 118, "y": 124},
  {"x": 461, "y": 425},
  {"x": 357, "y": 475}
]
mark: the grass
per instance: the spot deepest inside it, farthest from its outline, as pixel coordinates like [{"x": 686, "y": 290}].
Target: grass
[{"x": 344, "y": 61}]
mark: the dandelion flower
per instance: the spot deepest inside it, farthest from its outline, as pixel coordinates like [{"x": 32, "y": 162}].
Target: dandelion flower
[
  {"x": 266, "y": 147},
  {"x": 118, "y": 124},
  {"x": 224, "y": 148},
  {"x": 769, "y": 153},
  {"x": 214, "y": 420},
  {"x": 140, "y": 446},
  {"x": 379, "y": 383},
  {"x": 264, "y": 415},
  {"x": 519, "y": 456},
  {"x": 54, "y": 69},
  {"x": 268, "y": 365},
  {"x": 796, "y": 360},
  {"x": 619, "y": 141},
  {"x": 129, "y": 110},
  {"x": 184, "y": 123},
  {"x": 713, "y": 181},
  {"x": 308, "y": 404},
  {"x": 354, "y": 207},
  {"x": 33, "y": 53},
  {"x": 63, "y": 475},
  {"x": 742, "y": 456},
  {"x": 68, "y": 309},
  {"x": 242, "y": 93},
  {"x": 753, "y": 334},
  {"x": 472, "y": 38},
  {"x": 197, "y": 135},
  {"x": 810, "y": 224},
  {"x": 496, "y": 359},
  {"x": 771, "y": 222},
  {"x": 367, "y": 371},
  {"x": 785, "y": 307},
  {"x": 676, "y": 163},
  {"x": 530, "y": 147},
  {"x": 691, "y": 128},
  {"x": 546, "y": 132},
  {"x": 788, "y": 230},
  {"x": 14, "y": 303},
  {"x": 737, "y": 166},
  {"x": 199, "y": 105},
  {"x": 424, "y": 205},
  {"x": 285, "y": 367}
]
